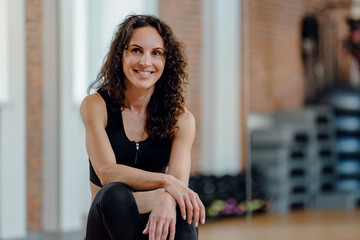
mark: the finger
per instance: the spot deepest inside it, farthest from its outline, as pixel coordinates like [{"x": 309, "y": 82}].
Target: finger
[
  {"x": 158, "y": 232},
  {"x": 181, "y": 204},
  {"x": 146, "y": 230},
  {"x": 165, "y": 232},
  {"x": 196, "y": 211},
  {"x": 202, "y": 212},
  {"x": 189, "y": 209},
  {"x": 172, "y": 230},
  {"x": 152, "y": 229}
]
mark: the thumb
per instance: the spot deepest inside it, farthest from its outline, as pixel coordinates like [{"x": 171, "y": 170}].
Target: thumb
[{"x": 146, "y": 230}]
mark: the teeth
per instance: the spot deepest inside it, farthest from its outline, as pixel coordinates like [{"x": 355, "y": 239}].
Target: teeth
[{"x": 144, "y": 73}]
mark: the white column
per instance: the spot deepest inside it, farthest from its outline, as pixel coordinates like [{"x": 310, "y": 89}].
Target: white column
[
  {"x": 12, "y": 124},
  {"x": 74, "y": 195},
  {"x": 4, "y": 42},
  {"x": 50, "y": 209},
  {"x": 221, "y": 87}
]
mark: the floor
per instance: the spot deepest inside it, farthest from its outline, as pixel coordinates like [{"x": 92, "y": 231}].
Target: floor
[
  {"x": 53, "y": 236},
  {"x": 299, "y": 225}
]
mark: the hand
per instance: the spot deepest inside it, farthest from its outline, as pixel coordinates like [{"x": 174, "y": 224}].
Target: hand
[
  {"x": 189, "y": 201},
  {"x": 162, "y": 219}
]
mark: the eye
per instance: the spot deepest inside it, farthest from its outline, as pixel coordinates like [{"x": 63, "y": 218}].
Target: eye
[
  {"x": 136, "y": 50},
  {"x": 157, "y": 53}
]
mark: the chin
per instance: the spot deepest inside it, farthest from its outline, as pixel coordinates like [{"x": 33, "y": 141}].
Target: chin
[{"x": 145, "y": 86}]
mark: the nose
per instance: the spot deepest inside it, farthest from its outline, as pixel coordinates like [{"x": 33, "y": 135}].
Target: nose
[{"x": 145, "y": 60}]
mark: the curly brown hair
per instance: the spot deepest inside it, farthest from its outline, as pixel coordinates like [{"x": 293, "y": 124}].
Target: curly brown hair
[{"x": 167, "y": 101}]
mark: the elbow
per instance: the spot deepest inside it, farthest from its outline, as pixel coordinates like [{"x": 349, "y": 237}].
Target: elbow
[
  {"x": 104, "y": 175},
  {"x": 104, "y": 181}
]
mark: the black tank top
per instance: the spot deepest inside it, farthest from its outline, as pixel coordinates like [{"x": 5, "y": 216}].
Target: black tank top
[{"x": 149, "y": 155}]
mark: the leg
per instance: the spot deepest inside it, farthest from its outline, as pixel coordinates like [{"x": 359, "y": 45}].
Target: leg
[{"x": 114, "y": 214}]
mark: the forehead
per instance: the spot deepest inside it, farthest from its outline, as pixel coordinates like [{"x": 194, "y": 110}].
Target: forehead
[{"x": 146, "y": 37}]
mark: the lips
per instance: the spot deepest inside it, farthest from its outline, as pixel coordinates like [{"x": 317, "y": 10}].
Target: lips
[{"x": 144, "y": 73}]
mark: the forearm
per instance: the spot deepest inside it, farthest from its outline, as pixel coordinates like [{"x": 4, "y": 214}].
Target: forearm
[
  {"x": 180, "y": 174},
  {"x": 181, "y": 169},
  {"x": 147, "y": 200},
  {"x": 135, "y": 178}
]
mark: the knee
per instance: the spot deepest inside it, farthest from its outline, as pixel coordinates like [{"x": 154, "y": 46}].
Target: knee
[
  {"x": 115, "y": 187},
  {"x": 114, "y": 195}
]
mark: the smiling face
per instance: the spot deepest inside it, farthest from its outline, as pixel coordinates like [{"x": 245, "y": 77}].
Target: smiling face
[{"x": 143, "y": 60}]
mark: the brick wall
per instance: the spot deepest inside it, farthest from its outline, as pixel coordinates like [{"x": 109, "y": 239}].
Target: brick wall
[
  {"x": 184, "y": 17},
  {"x": 34, "y": 80},
  {"x": 276, "y": 74},
  {"x": 276, "y": 71}
]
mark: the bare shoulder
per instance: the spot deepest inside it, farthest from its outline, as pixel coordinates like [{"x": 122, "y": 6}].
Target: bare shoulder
[
  {"x": 93, "y": 108},
  {"x": 186, "y": 118},
  {"x": 186, "y": 123},
  {"x": 92, "y": 100}
]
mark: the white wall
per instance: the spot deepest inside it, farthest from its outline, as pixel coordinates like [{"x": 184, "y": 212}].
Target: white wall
[
  {"x": 221, "y": 145},
  {"x": 12, "y": 124}
]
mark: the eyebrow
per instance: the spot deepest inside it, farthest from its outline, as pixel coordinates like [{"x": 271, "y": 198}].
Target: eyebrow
[{"x": 136, "y": 45}]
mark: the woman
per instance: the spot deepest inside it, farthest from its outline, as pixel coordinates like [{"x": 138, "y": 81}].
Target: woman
[{"x": 139, "y": 137}]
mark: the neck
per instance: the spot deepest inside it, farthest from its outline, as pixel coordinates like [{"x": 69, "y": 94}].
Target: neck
[{"x": 137, "y": 99}]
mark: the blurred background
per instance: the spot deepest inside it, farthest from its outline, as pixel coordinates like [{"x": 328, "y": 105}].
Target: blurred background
[{"x": 273, "y": 85}]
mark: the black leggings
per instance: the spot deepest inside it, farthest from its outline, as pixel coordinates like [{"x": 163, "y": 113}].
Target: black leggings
[{"x": 114, "y": 216}]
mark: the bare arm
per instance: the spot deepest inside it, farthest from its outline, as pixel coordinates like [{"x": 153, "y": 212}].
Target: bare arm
[
  {"x": 180, "y": 158},
  {"x": 180, "y": 164}
]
